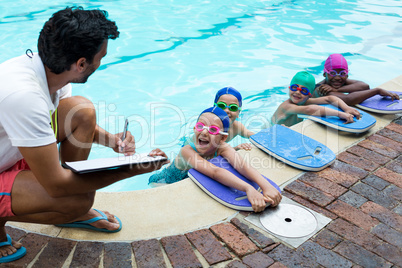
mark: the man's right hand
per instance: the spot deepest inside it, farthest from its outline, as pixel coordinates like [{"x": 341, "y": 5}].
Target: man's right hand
[{"x": 127, "y": 146}]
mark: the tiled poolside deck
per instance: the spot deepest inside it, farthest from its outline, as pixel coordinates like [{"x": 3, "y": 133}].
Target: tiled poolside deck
[{"x": 361, "y": 192}]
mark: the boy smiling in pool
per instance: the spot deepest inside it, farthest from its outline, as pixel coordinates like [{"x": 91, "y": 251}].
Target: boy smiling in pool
[
  {"x": 230, "y": 100},
  {"x": 299, "y": 102},
  {"x": 337, "y": 83},
  {"x": 209, "y": 141}
]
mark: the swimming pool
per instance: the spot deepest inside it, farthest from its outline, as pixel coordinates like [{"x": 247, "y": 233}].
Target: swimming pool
[{"x": 172, "y": 57}]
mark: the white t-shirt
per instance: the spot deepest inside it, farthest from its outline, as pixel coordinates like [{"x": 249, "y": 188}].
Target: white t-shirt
[{"x": 25, "y": 107}]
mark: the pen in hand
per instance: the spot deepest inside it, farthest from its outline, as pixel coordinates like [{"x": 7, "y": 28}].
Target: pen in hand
[{"x": 123, "y": 137}]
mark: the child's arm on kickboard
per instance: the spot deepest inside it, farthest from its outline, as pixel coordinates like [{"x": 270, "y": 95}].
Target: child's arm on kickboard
[{"x": 269, "y": 192}]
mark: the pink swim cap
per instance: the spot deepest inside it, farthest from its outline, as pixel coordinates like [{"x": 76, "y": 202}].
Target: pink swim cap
[{"x": 335, "y": 61}]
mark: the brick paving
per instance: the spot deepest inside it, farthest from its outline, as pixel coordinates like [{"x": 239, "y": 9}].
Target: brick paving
[{"x": 361, "y": 192}]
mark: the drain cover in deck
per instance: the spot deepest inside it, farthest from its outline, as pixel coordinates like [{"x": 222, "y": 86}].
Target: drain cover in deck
[{"x": 289, "y": 220}]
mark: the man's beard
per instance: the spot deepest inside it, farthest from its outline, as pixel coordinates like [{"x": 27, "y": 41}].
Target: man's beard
[{"x": 85, "y": 76}]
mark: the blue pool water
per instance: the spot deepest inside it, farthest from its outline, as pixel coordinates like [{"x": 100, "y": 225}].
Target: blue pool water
[{"x": 172, "y": 57}]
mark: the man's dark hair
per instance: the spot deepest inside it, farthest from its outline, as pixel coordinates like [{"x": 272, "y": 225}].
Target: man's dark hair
[{"x": 73, "y": 33}]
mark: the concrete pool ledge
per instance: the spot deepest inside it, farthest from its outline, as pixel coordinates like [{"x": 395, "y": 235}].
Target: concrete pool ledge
[{"x": 183, "y": 207}]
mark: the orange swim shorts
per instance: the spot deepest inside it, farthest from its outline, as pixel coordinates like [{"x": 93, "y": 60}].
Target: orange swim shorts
[{"x": 7, "y": 178}]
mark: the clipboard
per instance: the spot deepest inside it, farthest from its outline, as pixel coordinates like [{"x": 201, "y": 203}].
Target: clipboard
[{"x": 93, "y": 165}]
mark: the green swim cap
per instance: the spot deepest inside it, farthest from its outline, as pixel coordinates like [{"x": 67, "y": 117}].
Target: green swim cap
[{"x": 305, "y": 79}]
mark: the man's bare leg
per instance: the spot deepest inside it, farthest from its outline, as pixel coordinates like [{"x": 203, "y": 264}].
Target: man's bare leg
[
  {"x": 76, "y": 129},
  {"x": 76, "y": 119},
  {"x": 31, "y": 203}
]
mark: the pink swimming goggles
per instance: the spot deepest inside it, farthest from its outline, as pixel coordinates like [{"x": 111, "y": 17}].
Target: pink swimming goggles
[{"x": 214, "y": 130}]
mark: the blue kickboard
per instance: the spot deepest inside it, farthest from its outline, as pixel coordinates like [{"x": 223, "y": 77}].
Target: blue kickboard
[
  {"x": 222, "y": 193},
  {"x": 293, "y": 148},
  {"x": 381, "y": 104},
  {"x": 365, "y": 122}
]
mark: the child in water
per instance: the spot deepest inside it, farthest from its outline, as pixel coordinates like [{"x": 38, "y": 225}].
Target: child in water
[
  {"x": 209, "y": 141},
  {"x": 299, "y": 102},
  {"x": 230, "y": 100},
  {"x": 337, "y": 83}
]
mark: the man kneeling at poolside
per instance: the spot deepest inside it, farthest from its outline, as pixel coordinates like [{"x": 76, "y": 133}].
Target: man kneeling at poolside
[{"x": 35, "y": 95}]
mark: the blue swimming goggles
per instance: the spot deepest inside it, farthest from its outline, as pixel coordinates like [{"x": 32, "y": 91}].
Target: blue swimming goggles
[{"x": 303, "y": 90}]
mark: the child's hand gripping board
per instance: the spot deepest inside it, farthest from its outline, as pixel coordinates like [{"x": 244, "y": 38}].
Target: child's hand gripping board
[
  {"x": 293, "y": 148},
  {"x": 363, "y": 124},
  {"x": 225, "y": 195},
  {"x": 382, "y": 104}
]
